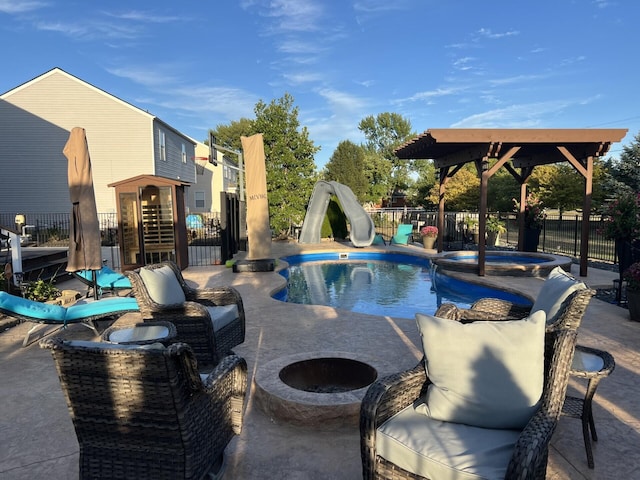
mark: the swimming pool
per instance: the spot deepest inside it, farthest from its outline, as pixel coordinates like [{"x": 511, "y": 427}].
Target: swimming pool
[{"x": 374, "y": 283}]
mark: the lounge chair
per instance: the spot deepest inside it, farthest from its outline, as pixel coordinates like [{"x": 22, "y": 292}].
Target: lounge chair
[
  {"x": 84, "y": 312},
  {"x": 145, "y": 412},
  {"x": 210, "y": 320},
  {"x": 108, "y": 281},
  {"x": 403, "y": 234}
]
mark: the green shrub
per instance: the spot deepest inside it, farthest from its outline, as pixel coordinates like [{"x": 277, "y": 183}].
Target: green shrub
[{"x": 335, "y": 222}]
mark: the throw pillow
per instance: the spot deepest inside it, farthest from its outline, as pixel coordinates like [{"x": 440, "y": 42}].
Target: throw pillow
[
  {"x": 486, "y": 374},
  {"x": 162, "y": 285},
  {"x": 555, "y": 290}
]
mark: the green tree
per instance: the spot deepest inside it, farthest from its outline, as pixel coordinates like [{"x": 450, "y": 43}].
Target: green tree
[
  {"x": 377, "y": 172},
  {"x": 462, "y": 191},
  {"x": 229, "y": 135},
  {"x": 346, "y": 166},
  {"x": 290, "y": 165},
  {"x": 418, "y": 193},
  {"x": 624, "y": 173},
  {"x": 383, "y": 133}
]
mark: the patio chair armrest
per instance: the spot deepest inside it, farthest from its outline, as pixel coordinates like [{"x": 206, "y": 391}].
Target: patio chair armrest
[
  {"x": 502, "y": 308},
  {"x": 529, "y": 459},
  {"x": 467, "y": 315},
  {"x": 384, "y": 398},
  {"x": 229, "y": 380},
  {"x": 216, "y": 295}
]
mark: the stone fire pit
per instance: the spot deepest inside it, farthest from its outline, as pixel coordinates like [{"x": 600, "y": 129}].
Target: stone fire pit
[{"x": 320, "y": 389}]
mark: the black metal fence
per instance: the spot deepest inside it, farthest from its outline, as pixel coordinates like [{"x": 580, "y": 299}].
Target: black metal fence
[
  {"x": 52, "y": 230},
  {"x": 560, "y": 234}
]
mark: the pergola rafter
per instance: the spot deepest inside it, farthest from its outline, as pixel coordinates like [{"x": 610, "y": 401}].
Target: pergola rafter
[{"x": 513, "y": 149}]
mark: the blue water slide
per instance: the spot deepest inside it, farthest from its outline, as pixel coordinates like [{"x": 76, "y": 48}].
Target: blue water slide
[{"x": 362, "y": 230}]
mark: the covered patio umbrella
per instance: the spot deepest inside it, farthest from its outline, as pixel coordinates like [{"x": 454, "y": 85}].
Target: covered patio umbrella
[{"x": 84, "y": 229}]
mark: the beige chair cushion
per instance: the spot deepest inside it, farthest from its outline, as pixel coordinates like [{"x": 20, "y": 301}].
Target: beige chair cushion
[
  {"x": 444, "y": 450},
  {"x": 223, "y": 315},
  {"x": 487, "y": 373},
  {"x": 555, "y": 290},
  {"x": 162, "y": 285}
]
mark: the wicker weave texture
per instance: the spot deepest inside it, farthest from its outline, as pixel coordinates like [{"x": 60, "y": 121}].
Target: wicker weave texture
[
  {"x": 389, "y": 395},
  {"x": 146, "y": 413},
  {"x": 192, "y": 320}
]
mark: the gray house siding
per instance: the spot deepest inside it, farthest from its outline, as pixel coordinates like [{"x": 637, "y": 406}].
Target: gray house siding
[
  {"x": 35, "y": 121},
  {"x": 173, "y": 167}
]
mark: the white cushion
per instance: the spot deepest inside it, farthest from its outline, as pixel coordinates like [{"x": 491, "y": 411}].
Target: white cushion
[
  {"x": 162, "y": 285},
  {"x": 223, "y": 315},
  {"x": 486, "y": 373},
  {"x": 556, "y": 288},
  {"x": 444, "y": 450}
]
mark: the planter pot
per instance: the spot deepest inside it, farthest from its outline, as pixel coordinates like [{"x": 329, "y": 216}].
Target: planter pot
[
  {"x": 633, "y": 302},
  {"x": 492, "y": 239},
  {"x": 531, "y": 239},
  {"x": 428, "y": 242}
]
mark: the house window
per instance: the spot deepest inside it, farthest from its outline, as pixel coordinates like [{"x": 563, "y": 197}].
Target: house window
[
  {"x": 162, "y": 145},
  {"x": 184, "y": 153},
  {"x": 199, "y": 199}
]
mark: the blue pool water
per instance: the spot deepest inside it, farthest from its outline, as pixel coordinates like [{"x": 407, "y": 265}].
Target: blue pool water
[{"x": 378, "y": 284}]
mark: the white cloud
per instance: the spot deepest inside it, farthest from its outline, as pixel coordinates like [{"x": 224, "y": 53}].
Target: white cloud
[
  {"x": 430, "y": 94},
  {"x": 528, "y": 115},
  {"x": 20, "y": 6},
  {"x": 148, "y": 17},
  {"x": 303, "y": 77},
  {"x": 288, "y": 15},
  {"x": 486, "y": 32}
]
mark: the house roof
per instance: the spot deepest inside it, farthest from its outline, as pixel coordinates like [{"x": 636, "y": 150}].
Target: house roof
[{"x": 59, "y": 71}]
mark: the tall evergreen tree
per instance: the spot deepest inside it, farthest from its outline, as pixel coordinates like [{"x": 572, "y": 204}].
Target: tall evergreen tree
[
  {"x": 346, "y": 166},
  {"x": 291, "y": 170}
]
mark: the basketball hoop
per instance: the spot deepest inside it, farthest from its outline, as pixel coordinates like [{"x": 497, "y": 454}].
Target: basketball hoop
[{"x": 200, "y": 163}]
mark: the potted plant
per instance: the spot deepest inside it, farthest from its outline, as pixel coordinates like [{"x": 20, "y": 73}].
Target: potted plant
[
  {"x": 494, "y": 227},
  {"x": 632, "y": 277},
  {"x": 429, "y": 234},
  {"x": 621, "y": 219},
  {"x": 471, "y": 225},
  {"x": 533, "y": 219}
]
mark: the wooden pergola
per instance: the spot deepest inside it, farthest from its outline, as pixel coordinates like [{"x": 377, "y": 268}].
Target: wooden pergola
[{"x": 517, "y": 150}]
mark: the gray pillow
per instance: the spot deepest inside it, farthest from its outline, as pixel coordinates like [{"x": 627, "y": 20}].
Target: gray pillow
[
  {"x": 162, "y": 285},
  {"x": 555, "y": 290},
  {"x": 487, "y": 374}
]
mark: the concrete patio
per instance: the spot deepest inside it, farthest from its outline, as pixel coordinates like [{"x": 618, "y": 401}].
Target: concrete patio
[{"x": 37, "y": 440}]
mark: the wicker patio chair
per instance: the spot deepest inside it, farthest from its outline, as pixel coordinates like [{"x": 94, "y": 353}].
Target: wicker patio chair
[
  {"x": 144, "y": 412},
  {"x": 195, "y": 321},
  {"x": 389, "y": 396},
  {"x": 569, "y": 312}
]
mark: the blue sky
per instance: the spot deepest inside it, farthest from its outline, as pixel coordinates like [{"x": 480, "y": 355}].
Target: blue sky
[{"x": 440, "y": 64}]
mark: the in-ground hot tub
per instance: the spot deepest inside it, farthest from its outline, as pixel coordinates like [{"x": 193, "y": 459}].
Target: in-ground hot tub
[
  {"x": 319, "y": 389},
  {"x": 531, "y": 264}
]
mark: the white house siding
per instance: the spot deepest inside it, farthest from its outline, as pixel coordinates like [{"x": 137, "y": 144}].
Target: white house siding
[{"x": 35, "y": 121}]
